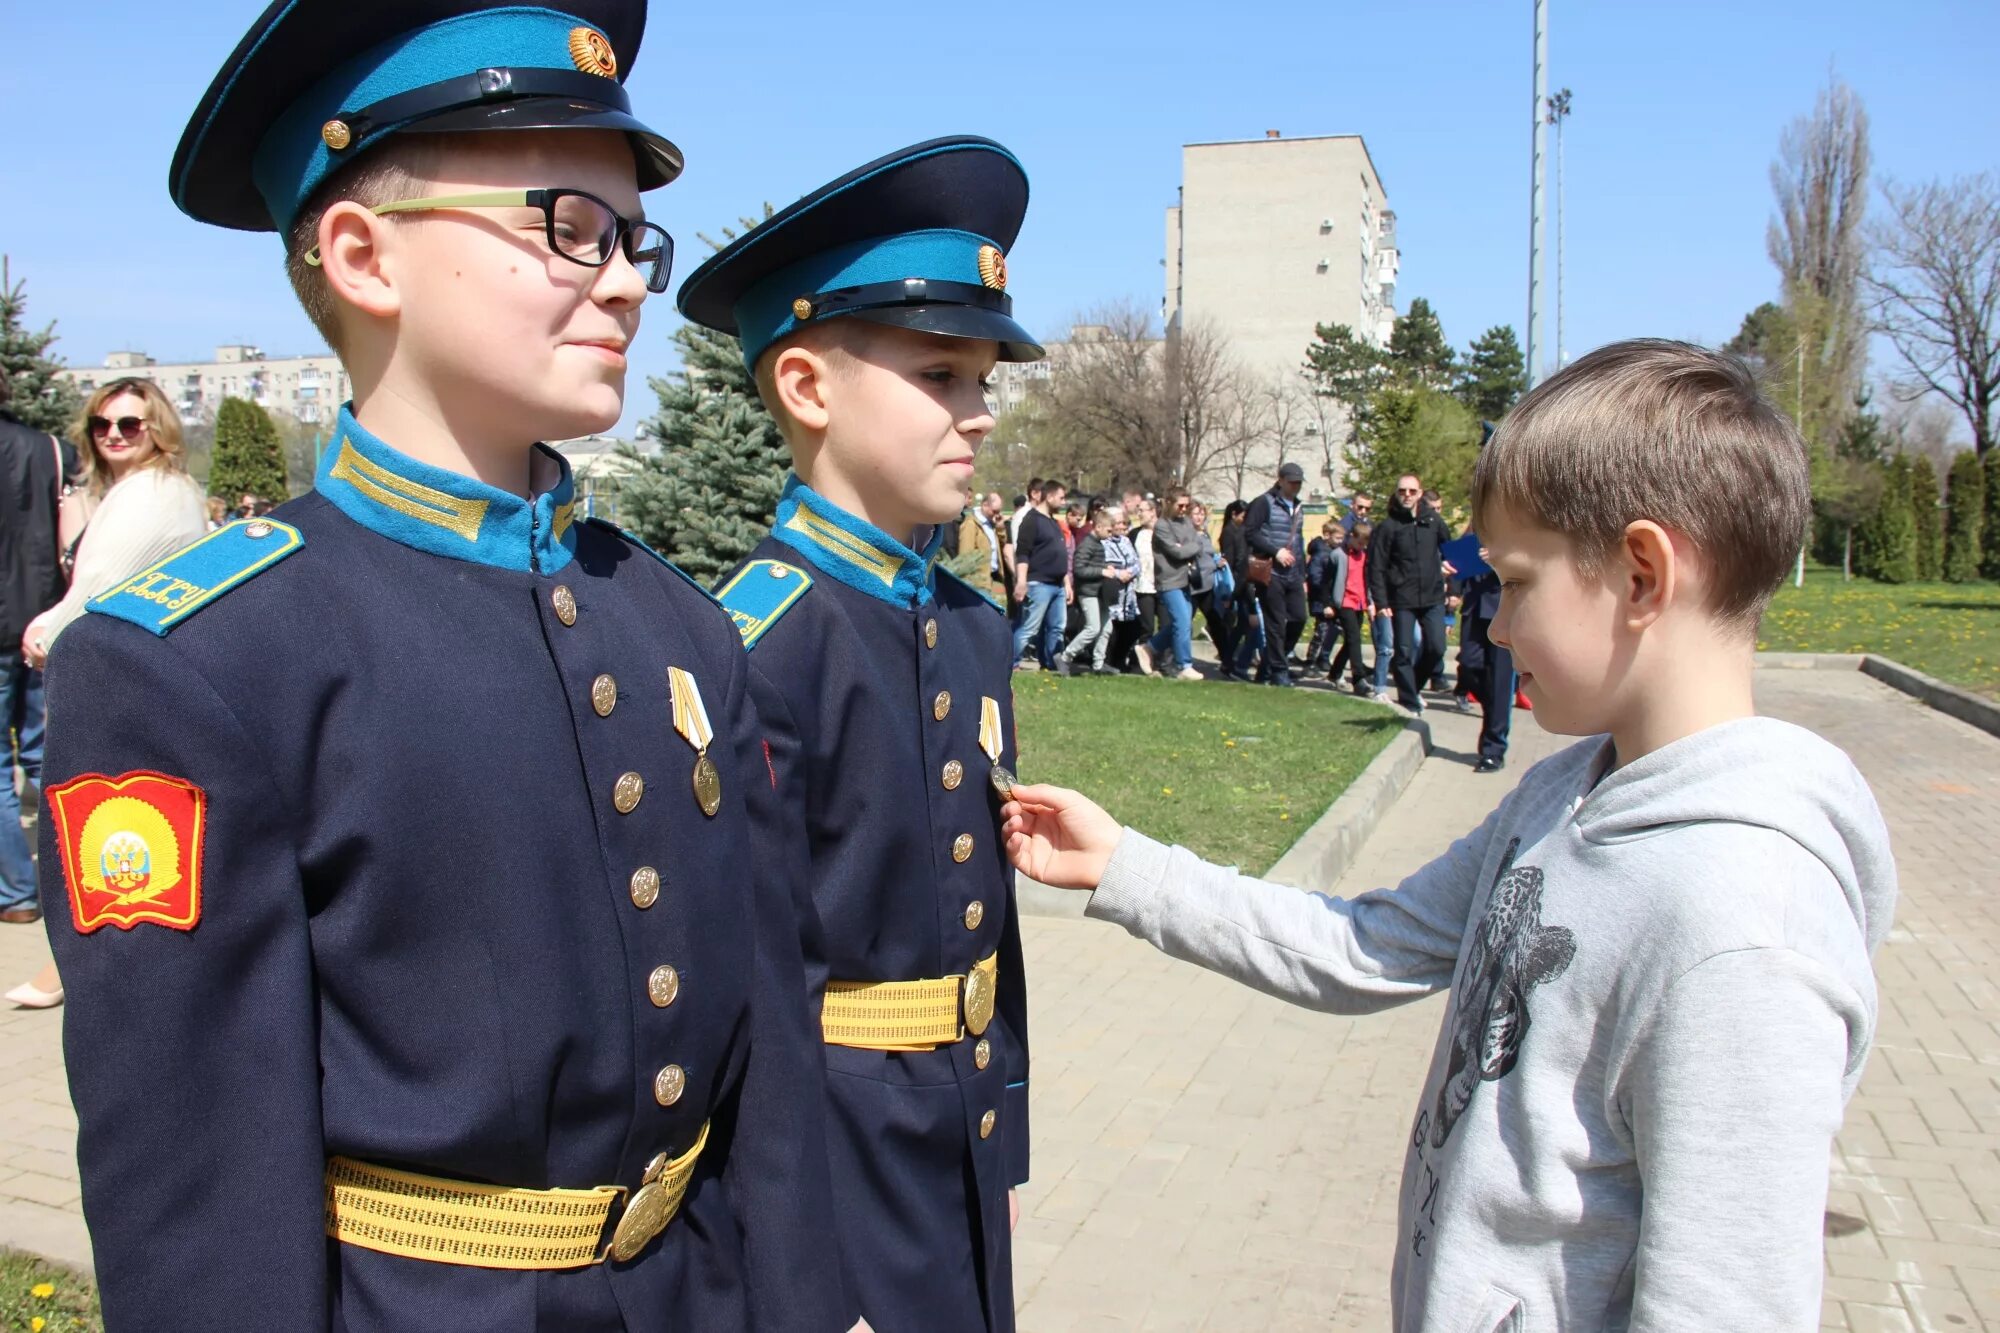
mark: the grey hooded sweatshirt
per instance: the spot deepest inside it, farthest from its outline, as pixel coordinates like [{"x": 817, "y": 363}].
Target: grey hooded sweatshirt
[{"x": 1661, "y": 999}]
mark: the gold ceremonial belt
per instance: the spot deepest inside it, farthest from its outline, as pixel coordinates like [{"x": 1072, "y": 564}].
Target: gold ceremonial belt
[
  {"x": 492, "y": 1226},
  {"x": 910, "y": 1015}
]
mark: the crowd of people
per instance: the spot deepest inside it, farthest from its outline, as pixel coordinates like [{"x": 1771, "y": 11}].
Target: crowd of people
[{"x": 1113, "y": 585}]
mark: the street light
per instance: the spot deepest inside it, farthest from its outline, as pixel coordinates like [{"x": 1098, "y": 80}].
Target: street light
[{"x": 1558, "y": 113}]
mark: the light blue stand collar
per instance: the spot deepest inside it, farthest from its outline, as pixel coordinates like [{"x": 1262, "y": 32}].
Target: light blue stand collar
[
  {"x": 446, "y": 513},
  {"x": 853, "y": 550}
]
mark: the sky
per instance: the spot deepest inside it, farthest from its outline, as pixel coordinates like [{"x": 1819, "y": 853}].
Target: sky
[{"x": 1677, "y": 112}]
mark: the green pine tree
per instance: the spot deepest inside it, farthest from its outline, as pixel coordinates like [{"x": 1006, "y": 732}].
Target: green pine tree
[
  {"x": 248, "y": 458},
  {"x": 1418, "y": 352},
  {"x": 1965, "y": 520},
  {"x": 1888, "y": 545},
  {"x": 1495, "y": 374},
  {"x": 1989, "y": 563},
  {"x": 1346, "y": 368},
  {"x": 710, "y": 493},
  {"x": 1927, "y": 518},
  {"x": 41, "y": 398},
  {"x": 1422, "y": 431}
]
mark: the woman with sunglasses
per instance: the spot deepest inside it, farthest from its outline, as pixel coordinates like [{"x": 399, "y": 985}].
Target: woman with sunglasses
[
  {"x": 146, "y": 508},
  {"x": 146, "y": 505}
]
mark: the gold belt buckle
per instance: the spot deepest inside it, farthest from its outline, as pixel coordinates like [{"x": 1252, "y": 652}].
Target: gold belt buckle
[
  {"x": 654, "y": 1203},
  {"x": 982, "y": 984},
  {"x": 646, "y": 1216}
]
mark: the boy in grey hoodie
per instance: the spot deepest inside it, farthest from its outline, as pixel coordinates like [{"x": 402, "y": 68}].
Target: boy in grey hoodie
[{"x": 1657, "y": 947}]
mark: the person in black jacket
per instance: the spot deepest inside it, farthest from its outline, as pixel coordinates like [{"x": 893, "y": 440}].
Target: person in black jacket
[
  {"x": 1246, "y": 624},
  {"x": 1406, "y": 574},
  {"x": 33, "y": 470},
  {"x": 1273, "y": 527},
  {"x": 1486, "y": 670}
]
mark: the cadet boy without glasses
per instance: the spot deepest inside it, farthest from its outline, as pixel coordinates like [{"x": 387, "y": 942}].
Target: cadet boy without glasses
[
  {"x": 1686, "y": 905},
  {"x": 882, "y": 421},
  {"x": 467, "y": 337}
]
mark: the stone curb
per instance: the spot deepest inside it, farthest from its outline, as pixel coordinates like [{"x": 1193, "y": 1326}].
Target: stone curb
[
  {"x": 1317, "y": 860},
  {"x": 1322, "y": 853},
  {"x": 1950, "y": 700}
]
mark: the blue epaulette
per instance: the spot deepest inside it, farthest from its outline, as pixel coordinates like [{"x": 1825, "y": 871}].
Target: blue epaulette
[
  {"x": 164, "y": 596},
  {"x": 632, "y": 537},
  {"x": 973, "y": 588},
  {"x": 760, "y": 593}
]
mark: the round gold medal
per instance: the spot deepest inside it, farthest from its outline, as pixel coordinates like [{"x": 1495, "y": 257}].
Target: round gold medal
[{"x": 707, "y": 786}]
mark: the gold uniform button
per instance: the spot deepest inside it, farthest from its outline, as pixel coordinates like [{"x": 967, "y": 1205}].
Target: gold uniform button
[
  {"x": 961, "y": 848},
  {"x": 625, "y": 792},
  {"x": 986, "y": 1124},
  {"x": 656, "y": 1168},
  {"x": 671, "y": 1082},
  {"x": 954, "y": 773},
  {"x": 975, "y": 912},
  {"x": 930, "y": 633},
  {"x": 982, "y": 1054},
  {"x": 941, "y": 709},
  {"x": 663, "y": 986},
  {"x": 564, "y": 602},
  {"x": 604, "y": 695},
  {"x": 645, "y": 887}
]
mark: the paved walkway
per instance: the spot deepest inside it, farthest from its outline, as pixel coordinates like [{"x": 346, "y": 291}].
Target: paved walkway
[{"x": 1207, "y": 1158}]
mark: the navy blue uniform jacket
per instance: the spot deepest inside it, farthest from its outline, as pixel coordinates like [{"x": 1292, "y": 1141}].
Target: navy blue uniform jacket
[
  {"x": 419, "y": 943},
  {"x": 869, "y": 685}
]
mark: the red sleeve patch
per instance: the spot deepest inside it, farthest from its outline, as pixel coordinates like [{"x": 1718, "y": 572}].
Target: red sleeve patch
[{"x": 131, "y": 849}]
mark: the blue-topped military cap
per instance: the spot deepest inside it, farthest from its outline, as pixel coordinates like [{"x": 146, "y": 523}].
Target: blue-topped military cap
[
  {"x": 918, "y": 239},
  {"x": 315, "y": 83}
]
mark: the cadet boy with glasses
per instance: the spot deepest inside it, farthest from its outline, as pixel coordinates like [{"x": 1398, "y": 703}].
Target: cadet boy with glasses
[{"x": 413, "y": 836}]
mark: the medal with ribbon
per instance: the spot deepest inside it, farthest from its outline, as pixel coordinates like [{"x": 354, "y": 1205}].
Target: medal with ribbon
[
  {"x": 990, "y": 742},
  {"x": 691, "y": 721}
]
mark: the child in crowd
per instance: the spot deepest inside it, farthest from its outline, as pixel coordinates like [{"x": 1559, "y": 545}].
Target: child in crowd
[
  {"x": 1658, "y": 946},
  {"x": 872, "y": 313},
  {"x": 1350, "y": 599}
]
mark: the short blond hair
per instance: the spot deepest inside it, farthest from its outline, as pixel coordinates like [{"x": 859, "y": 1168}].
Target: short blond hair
[
  {"x": 1666, "y": 431},
  {"x": 389, "y": 171},
  {"x": 163, "y": 428}
]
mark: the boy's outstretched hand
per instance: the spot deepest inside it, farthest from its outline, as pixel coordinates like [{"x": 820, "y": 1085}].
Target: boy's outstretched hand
[{"x": 1060, "y": 837}]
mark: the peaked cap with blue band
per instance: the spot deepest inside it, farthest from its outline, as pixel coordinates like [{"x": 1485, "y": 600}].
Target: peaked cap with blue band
[
  {"x": 315, "y": 83},
  {"x": 918, "y": 239}
]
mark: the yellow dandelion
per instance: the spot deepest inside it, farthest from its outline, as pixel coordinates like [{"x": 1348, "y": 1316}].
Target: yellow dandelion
[
  {"x": 37, "y": 1324},
  {"x": 42, "y": 1290},
  {"x": 1229, "y": 745},
  {"x": 1166, "y": 791}
]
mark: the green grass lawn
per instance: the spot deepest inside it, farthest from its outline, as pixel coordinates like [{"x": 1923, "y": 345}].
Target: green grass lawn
[
  {"x": 1234, "y": 772},
  {"x": 1947, "y": 630},
  {"x": 37, "y": 1297}
]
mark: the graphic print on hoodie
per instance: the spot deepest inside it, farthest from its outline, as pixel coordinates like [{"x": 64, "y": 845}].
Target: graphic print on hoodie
[{"x": 1512, "y": 953}]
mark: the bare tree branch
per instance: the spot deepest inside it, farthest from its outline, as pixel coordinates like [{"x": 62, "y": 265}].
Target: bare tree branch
[{"x": 1934, "y": 290}]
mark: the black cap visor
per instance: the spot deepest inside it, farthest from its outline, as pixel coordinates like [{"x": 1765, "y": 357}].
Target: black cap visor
[
  {"x": 958, "y": 321},
  {"x": 658, "y": 159}
]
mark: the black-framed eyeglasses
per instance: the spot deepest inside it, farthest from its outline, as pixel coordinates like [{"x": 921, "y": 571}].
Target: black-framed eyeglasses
[
  {"x": 129, "y": 427},
  {"x": 580, "y": 227}
]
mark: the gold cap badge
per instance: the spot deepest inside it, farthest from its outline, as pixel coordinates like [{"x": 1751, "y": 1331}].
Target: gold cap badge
[
  {"x": 802, "y": 310},
  {"x": 591, "y": 51},
  {"x": 993, "y": 267},
  {"x": 336, "y": 135}
]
